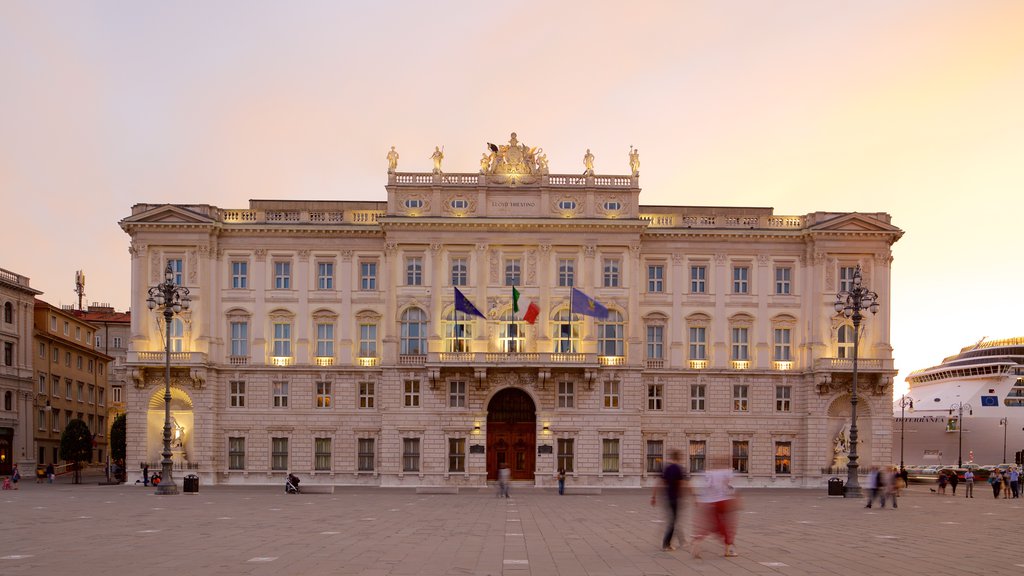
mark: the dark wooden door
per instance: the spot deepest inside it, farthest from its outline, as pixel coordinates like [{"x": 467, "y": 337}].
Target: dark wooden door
[{"x": 511, "y": 434}]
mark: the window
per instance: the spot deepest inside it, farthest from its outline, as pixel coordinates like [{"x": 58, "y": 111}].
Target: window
[
  {"x": 67, "y": 359},
  {"x": 9, "y": 354},
  {"x": 177, "y": 335},
  {"x": 323, "y": 394},
  {"x": 101, "y": 427},
  {"x": 566, "y": 272},
  {"x": 367, "y": 275},
  {"x": 78, "y": 333},
  {"x": 81, "y": 391},
  {"x": 367, "y": 340},
  {"x": 236, "y": 398},
  {"x": 78, "y": 360},
  {"x": 846, "y": 278},
  {"x": 67, "y": 328},
  {"x": 56, "y": 354},
  {"x": 116, "y": 393},
  {"x": 612, "y": 206},
  {"x": 278, "y": 453},
  {"x": 458, "y": 332},
  {"x": 698, "y": 279},
  {"x": 239, "y": 274},
  {"x": 365, "y": 455},
  {"x": 845, "y": 341},
  {"x": 698, "y": 397},
  {"x": 611, "y": 394},
  {"x": 8, "y": 313},
  {"x": 609, "y": 455},
  {"x": 610, "y": 335},
  {"x": 413, "y": 332},
  {"x": 565, "y": 333},
  {"x": 117, "y": 341},
  {"x": 412, "y": 393},
  {"x": 236, "y": 453},
  {"x": 280, "y": 394},
  {"x": 698, "y": 343},
  {"x": 321, "y": 454},
  {"x": 740, "y": 280},
  {"x": 91, "y": 397},
  {"x": 740, "y": 456},
  {"x": 176, "y": 265},
  {"x": 740, "y": 348},
  {"x": 325, "y": 340},
  {"x": 655, "y": 456},
  {"x": 414, "y": 271},
  {"x": 457, "y": 394},
  {"x": 100, "y": 366},
  {"x": 460, "y": 271},
  {"x": 8, "y": 400},
  {"x": 783, "y": 280},
  {"x": 41, "y": 419},
  {"x": 513, "y": 272},
  {"x": 89, "y": 365},
  {"x": 282, "y": 275},
  {"x": 783, "y": 457},
  {"x": 656, "y": 278},
  {"x": 655, "y": 342},
  {"x": 413, "y": 203},
  {"x": 456, "y": 454},
  {"x": 611, "y": 273},
  {"x": 566, "y": 394},
  {"x": 53, "y": 323},
  {"x": 740, "y": 398},
  {"x": 282, "y": 343},
  {"x": 566, "y": 204},
  {"x": 783, "y": 398},
  {"x": 410, "y": 454},
  {"x": 366, "y": 394},
  {"x": 42, "y": 383},
  {"x": 56, "y": 386},
  {"x": 655, "y": 396},
  {"x": 67, "y": 388},
  {"x": 565, "y": 454},
  {"x": 698, "y": 455},
  {"x": 325, "y": 275},
  {"x": 459, "y": 204},
  {"x": 240, "y": 338},
  {"x": 512, "y": 336},
  {"x": 782, "y": 347},
  {"x": 99, "y": 342}
]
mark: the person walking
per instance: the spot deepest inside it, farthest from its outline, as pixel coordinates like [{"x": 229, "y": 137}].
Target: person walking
[
  {"x": 968, "y": 484},
  {"x": 995, "y": 480},
  {"x": 887, "y": 479},
  {"x": 145, "y": 474},
  {"x": 561, "y": 481},
  {"x": 943, "y": 479},
  {"x": 15, "y": 476},
  {"x": 504, "y": 476},
  {"x": 674, "y": 479},
  {"x": 874, "y": 488},
  {"x": 1014, "y": 481},
  {"x": 50, "y": 473},
  {"x": 1006, "y": 484},
  {"x": 953, "y": 481},
  {"x": 718, "y": 501}
]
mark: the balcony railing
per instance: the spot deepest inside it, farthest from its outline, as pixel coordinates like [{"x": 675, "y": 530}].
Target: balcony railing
[
  {"x": 782, "y": 365},
  {"x": 238, "y": 360},
  {"x": 368, "y": 361},
  {"x": 655, "y": 363},
  {"x": 282, "y": 361},
  {"x": 698, "y": 364},
  {"x": 412, "y": 359},
  {"x": 157, "y": 357},
  {"x": 739, "y": 364},
  {"x": 324, "y": 361},
  {"x": 611, "y": 360},
  {"x": 514, "y": 358},
  {"x": 846, "y": 364}
]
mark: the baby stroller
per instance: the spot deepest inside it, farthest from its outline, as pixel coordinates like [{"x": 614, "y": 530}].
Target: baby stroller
[{"x": 291, "y": 484}]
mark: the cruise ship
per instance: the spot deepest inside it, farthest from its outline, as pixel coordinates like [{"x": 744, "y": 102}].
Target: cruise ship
[{"x": 969, "y": 408}]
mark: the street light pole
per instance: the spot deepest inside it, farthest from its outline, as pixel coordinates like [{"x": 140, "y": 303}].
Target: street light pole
[
  {"x": 1006, "y": 425},
  {"x": 172, "y": 299},
  {"x": 905, "y": 402},
  {"x": 959, "y": 407},
  {"x": 851, "y": 302}
]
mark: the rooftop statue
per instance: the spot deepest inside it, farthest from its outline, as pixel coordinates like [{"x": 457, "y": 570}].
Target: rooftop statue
[
  {"x": 437, "y": 156},
  {"x": 588, "y": 163},
  {"x": 634, "y": 161},
  {"x": 513, "y": 163},
  {"x": 392, "y": 161}
]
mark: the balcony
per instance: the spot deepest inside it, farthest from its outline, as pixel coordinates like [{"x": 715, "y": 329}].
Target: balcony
[
  {"x": 282, "y": 361},
  {"x": 611, "y": 360},
  {"x": 655, "y": 363},
  {"x": 324, "y": 361},
  {"x": 177, "y": 358},
  {"x": 739, "y": 364},
  {"x": 782, "y": 365},
  {"x": 238, "y": 360},
  {"x": 846, "y": 364},
  {"x": 515, "y": 358},
  {"x": 412, "y": 359},
  {"x": 698, "y": 364},
  {"x": 368, "y": 361}
]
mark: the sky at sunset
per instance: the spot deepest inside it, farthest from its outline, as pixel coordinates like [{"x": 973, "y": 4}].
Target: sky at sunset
[{"x": 915, "y": 108}]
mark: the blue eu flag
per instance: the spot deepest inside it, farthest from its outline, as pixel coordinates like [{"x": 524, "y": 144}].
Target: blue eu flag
[
  {"x": 580, "y": 303},
  {"x": 990, "y": 400},
  {"x": 462, "y": 304}
]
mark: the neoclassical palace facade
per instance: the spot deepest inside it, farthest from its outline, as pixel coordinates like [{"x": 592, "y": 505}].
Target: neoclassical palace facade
[{"x": 325, "y": 337}]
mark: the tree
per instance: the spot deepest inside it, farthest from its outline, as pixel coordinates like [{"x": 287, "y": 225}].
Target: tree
[
  {"x": 119, "y": 444},
  {"x": 76, "y": 445}
]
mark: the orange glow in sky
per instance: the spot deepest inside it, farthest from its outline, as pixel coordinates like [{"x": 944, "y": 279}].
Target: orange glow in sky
[{"x": 908, "y": 107}]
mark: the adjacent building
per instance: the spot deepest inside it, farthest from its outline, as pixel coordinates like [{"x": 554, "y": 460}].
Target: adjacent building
[
  {"x": 17, "y": 299},
  {"x": 113, "y": 330},
  {"x": 391, "y": 343},
  {"x": 70, "y": 378}
]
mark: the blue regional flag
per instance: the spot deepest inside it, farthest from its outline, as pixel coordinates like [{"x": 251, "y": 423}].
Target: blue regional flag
[
  {"x": 462, "y": 304},
  {"x": 587, "y": 306}
]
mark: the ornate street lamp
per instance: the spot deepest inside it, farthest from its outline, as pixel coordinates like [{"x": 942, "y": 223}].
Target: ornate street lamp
[
  {"x": 172, "y": 299},
  {"x": 851, "y": 302},
  {"x": 904, "y": 403},
  {"x": 959, "y": 408}
]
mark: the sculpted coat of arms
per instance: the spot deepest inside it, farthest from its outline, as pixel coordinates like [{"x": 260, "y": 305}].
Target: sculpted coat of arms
[{"x": 513, "y": 163}]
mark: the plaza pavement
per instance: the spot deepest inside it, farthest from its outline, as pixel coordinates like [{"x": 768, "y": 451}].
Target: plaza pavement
[{"x": 65, "y": 529}]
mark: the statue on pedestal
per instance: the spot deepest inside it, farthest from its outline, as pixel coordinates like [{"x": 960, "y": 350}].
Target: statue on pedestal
[
  {"x": 634, "y": 160},
  {"x": 437, "y": 157},
  {"x": 392, "y": 161},
  {"x": 588, "y": 163}
]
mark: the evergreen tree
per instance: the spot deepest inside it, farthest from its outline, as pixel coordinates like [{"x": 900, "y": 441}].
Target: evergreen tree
[{"x": 76, "y": 446}]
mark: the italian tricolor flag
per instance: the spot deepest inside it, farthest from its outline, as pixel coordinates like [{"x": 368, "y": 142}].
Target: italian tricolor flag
[{"x": 532, "y": 311}]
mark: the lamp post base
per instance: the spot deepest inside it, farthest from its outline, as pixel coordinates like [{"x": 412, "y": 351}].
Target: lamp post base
[
  {"x": 166, "y": 488},
  {"x": 852, "y": 492}
]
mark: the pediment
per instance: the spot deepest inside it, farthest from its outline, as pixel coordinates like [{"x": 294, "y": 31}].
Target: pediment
[
  {"x": 169, "y": 214},
  {"x": 854, "y": 222}
]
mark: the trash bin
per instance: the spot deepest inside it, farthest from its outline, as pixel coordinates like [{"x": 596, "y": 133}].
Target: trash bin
[
  {"x": 835, "y": 487},
  {"x": 191, "y": 484}
]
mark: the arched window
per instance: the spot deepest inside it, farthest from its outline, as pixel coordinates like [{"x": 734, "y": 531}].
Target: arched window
[
  {"x": 177, "y": 335},
  {"x": 565, "y": 333},
  {"x": 610, "y": 335},
  {"x": 8, "y": 312},
  {"x": 513, "y": 334},
  {"x": 458, "y": 331},
  {"x": 414, "y": 332},
  {"x": 844, "y": 341}
]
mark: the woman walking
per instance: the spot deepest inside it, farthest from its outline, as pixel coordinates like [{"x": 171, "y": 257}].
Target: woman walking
[{"x": 718, "y": 502}]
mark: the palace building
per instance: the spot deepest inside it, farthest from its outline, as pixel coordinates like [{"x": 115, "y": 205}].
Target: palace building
[{"x": 507, "y": 317}]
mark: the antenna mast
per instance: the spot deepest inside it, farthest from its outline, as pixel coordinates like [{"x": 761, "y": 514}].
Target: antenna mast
[{"x": 80, "y": 287}]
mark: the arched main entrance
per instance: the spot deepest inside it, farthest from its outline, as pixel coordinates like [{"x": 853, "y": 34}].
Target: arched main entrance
[{"x": 511, "y": 434}]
